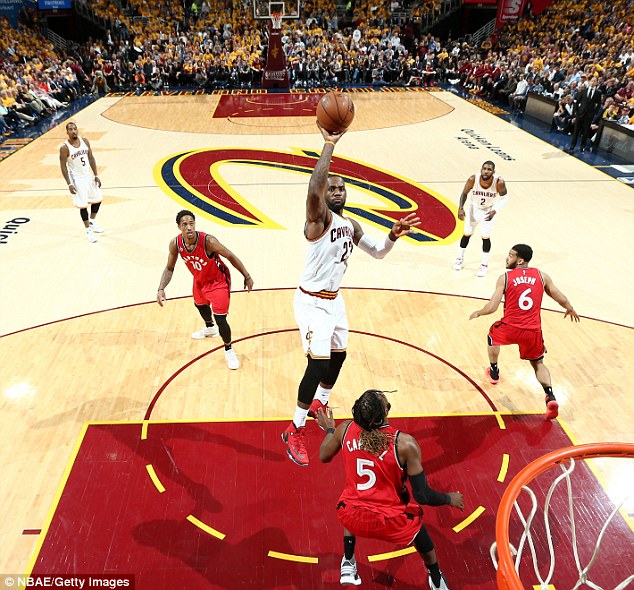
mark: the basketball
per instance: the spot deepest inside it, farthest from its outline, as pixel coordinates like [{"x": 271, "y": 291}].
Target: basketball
[{"x": 335, "y": 111}]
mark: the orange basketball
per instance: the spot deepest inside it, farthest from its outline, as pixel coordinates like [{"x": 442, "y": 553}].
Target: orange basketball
[{"x": 335, "y": 111}]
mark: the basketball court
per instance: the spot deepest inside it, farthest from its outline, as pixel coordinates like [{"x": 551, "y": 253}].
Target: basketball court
[{"x": 129, "y": 448}]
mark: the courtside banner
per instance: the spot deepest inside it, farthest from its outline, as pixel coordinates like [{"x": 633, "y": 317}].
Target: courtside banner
[{"x": 509, "y": 11}]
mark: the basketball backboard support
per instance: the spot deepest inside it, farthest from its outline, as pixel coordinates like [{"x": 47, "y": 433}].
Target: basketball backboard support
[{"x": 262, "y": 9}]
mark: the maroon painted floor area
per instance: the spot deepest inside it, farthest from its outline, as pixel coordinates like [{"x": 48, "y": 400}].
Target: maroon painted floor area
[
  {"x": 267, "y": 105},
  {"x": 235, "y": 477}
]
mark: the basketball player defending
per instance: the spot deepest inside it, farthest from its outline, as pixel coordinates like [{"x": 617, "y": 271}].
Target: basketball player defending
[
  {"x": 375, "y": 502},
  {"x": 79, "y": 169},
  {"x": 488, "y": 197},
  {"x": 523, "y": 289},
  {"x": 320, "y": 311},
  {"x": 212, "y": 280}
]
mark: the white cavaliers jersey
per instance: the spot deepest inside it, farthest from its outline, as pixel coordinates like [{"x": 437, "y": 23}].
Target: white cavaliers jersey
[
  {"x": 484, "y": 198},
  {"x": 77, "y": 162},
  {"x": 327, "y": 258}
]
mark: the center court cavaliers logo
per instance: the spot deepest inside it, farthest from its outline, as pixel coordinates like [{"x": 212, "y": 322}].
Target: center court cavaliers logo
[{"x": 193, "y": 179}]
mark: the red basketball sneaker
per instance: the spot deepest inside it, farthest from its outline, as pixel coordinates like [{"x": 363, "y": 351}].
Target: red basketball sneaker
[
  {"x": 314, "y": 408},
  {"x": 552, "y": 409},
  {"x": 492, "y": 376},
  {"x": 295, "y": 444}
]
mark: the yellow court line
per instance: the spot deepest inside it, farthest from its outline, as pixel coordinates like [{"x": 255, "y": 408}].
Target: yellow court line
[
  {"x": 56, "y": 499},
  {"x": 392, "y": 554},
  {"x": 467, "y": 521},
  {"x": 205, "y": 527},
  {"x": 155, "y": 480},
  {"x": 290, "y": 557},
  {"x": 500, "y": 420},
  {"x": 144, "y": 430},
  {"x": 549, "y": 587},
  {"x": 504, "y": 467}
]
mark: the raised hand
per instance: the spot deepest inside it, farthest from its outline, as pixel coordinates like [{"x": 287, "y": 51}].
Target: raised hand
[{"x": 404, "y": 226}]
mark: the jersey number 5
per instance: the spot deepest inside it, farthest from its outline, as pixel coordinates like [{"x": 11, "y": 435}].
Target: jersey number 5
[
  {"x": 525, "y": 302},
  {"x": 363, "y": 471}
]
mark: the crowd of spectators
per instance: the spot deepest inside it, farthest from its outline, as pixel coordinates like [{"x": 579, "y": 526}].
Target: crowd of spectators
[
  {"x": 556, "y": 54},
  {"x": 214, "y": 44}
]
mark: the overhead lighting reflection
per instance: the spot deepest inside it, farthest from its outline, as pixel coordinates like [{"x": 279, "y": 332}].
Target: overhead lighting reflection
[{"x": 19, "y": 391}]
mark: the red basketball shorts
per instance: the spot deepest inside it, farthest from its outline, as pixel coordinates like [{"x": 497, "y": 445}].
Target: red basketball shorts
[
  {"x": 215, "y": 294},
  {"x": 531, "y": 342},
  {"x": 363, "y": 522}
]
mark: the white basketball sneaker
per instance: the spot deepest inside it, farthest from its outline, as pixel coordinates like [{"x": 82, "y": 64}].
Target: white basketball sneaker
[
  {"x": 457, "y": 265},
  {"x": 482, "y": 271},
  {"x": 349, "y": 575},
  {"x": 232, "y": 359},
  {"x": 91, "y": 236},
  {"x": 443, "y": 583},
  {"x": 94, "y": 227},
  {"x": 211, "y": 332}
]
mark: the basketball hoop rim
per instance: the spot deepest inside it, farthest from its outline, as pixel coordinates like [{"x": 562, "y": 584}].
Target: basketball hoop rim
[
  {"x": 276, "y": 20},
  {"x": 507, "y": 577}
]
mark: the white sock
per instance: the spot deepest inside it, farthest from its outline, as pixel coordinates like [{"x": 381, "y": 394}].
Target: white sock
[
  {"x": 323, "y": 394},
  {"x": 461, "y": 252},
  {"x": 485, "y": 258},
  {"x": 300, "y": 417}
]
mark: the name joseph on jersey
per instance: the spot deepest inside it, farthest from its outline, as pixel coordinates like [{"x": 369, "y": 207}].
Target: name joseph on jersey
[
  {"x": 336, "y": 233},
  {"x": 523, "y": 279}
]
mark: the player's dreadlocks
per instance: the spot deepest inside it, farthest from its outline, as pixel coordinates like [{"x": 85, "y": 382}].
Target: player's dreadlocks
[{"x": 369, "y": 412}]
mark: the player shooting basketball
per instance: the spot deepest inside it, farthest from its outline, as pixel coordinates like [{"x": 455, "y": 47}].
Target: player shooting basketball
[{"x": 320, "y": 311}]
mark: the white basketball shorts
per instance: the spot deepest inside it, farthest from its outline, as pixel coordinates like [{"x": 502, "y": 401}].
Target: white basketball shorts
[
  {"x": 323, "y": 324},
  {"x": 87, "y": 192}
]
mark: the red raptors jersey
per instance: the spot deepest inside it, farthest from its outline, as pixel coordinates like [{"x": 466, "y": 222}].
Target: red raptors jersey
[
  {"x": 372, "y": 482},
  {"x": 523, "y": 296},
  {"x": 205, "y": 268}
]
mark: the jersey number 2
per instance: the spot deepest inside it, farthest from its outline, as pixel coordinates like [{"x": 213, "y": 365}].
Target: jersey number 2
[{"x": 363, "y": 471}]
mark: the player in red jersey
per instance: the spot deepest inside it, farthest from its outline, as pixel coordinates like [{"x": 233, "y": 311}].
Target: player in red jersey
[
  {"x": 523, "y": 289},
  {"x": 212, "y": 280},
  {"x": 375, "y": 502}
]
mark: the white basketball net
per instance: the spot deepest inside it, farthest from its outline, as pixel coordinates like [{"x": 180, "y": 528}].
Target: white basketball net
[
  {"x": 526, "y": 536},
  {"x": 276, "y": 19}
]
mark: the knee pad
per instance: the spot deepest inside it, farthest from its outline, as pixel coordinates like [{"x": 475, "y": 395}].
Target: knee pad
[
  {"x": 204, "y": 311},
  {"x": 334, "y": 366},
  {"x": 486, "y": 244},
  {"x": 423, "y": 542},
  {"x": 315, "y": 371},
  {"x": 464, "y": 241}
]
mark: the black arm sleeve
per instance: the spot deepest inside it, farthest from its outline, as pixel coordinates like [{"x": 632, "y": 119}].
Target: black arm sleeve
[{"x": 423, "y": 494}]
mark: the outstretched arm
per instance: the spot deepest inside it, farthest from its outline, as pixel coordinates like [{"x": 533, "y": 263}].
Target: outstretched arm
[
  {"x": 495, "y": 300},
  {"x": 560, "y": 298},
  {"x": 168, "y": 271},
  {"x": 213, "y": 245},
  {"x": 379, "y": 250},
  {"x": 317, "y": 212},
  {"x": 409, "y": 455},
  {"x": 331, "y": 444}
]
